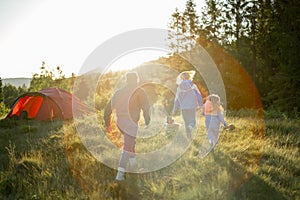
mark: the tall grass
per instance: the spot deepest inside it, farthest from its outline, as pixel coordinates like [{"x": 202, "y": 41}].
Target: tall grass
[
  {"x": 258, "y": 160},
  {"x": 33, "y": 165},
  {"x": 279, "y": 171}
]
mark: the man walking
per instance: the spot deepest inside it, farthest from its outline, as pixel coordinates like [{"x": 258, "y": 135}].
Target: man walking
[{"x": 128, "y": 102}]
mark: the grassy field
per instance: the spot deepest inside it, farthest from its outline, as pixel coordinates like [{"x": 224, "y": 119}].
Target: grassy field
[{"x": 258, "y": 160}]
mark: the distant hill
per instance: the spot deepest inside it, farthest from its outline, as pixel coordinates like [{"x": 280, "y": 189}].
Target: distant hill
[{"x": 17, "y": 81}]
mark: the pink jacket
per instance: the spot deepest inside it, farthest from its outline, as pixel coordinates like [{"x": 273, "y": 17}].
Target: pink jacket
[{"x": 208, "y": 109}]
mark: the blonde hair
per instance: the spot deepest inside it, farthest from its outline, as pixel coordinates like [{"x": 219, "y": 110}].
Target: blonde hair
[
  {"x": 185, "y": 75},
  {"x": 215, "y": 101}
]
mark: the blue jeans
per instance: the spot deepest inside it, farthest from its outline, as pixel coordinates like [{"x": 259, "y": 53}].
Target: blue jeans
[{"x": 212, "y": 127}]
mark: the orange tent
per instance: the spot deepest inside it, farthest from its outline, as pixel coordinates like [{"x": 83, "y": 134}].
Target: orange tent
[{"x": 47, "y": 104}]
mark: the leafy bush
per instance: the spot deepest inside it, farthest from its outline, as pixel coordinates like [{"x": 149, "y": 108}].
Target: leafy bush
[{"x": 3, "y": 110}]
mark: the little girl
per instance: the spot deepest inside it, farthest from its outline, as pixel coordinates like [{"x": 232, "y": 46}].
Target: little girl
[{"x": 213, "y": 112}]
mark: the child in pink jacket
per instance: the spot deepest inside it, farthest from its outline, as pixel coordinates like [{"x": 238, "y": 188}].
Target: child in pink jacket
[{"x": 213, "y": 112}]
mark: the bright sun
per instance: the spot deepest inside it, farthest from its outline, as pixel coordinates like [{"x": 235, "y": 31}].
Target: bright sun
[{"x": 133, "y": 59}]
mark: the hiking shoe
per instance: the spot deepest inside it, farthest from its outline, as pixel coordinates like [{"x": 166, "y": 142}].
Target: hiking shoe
[{"x": 120, "y": 174}]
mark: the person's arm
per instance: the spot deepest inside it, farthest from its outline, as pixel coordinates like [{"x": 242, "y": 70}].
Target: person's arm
[
  {"x": 203, "y": 109},
  {"x": 221, "y": 118},
  {"x": 107, "y": 114},
  {"x": 145, "y": 107},
  {"x": 176, "y": 106},
  {"x": 198, "y": 96},
  {"x": 176, "y": 103},
  {"x": 199, "y": 99}
]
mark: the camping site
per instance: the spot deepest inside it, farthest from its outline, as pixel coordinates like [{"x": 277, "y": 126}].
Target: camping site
[
  {"x": 239, "y": 57},
  {"x": 47, "y": 158}
]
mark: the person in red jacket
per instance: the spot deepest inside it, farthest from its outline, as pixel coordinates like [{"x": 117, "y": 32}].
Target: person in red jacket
[{"x": 128, "y": 102}]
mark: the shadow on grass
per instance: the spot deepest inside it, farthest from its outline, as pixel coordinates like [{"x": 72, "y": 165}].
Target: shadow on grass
[
  {"x": 257, "y": 188},
  {"x": 98, "y": 182},
  {"x": 244, "y": 184}
]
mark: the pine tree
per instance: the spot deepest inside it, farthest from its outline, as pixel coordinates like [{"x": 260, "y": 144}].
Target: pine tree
[
  {"x": 212, "y": 21},
  {"x": 252, "y": 20},
  {"x": 175, "y": 31},
  {"x": 283, "y": 42},
  {"x": 191, "y": 23},
  {"x": 183, "y": 28}
]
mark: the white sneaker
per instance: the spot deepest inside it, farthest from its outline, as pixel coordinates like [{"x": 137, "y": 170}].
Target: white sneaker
[{"x": 120, "y": 174}]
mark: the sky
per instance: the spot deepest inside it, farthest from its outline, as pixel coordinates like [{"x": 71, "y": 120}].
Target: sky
[{"x": 64, "y": 33}]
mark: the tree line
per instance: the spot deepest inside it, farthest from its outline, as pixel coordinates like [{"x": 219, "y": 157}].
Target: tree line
[{"x": 263, "y": 36}]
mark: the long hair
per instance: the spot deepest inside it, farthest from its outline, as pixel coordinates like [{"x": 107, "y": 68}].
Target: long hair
[{"x": 216, "y": 103}]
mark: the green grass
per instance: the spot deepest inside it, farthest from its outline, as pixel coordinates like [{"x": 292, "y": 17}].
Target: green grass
[{"x": 258, "y": 160}]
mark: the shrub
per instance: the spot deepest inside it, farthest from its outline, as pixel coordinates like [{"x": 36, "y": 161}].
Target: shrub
[{"x": 3, "y": 110}]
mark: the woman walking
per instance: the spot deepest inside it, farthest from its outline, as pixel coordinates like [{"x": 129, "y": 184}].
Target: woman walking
[{"x": 188, "y": 99}]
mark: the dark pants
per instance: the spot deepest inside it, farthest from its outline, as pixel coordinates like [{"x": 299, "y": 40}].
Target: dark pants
[{"x": 189, "y": 118}]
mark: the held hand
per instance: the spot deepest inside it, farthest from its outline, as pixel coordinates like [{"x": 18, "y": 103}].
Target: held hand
[
  {"x": 147, "y": 126},
  {"x": 200, "y": 109}
]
